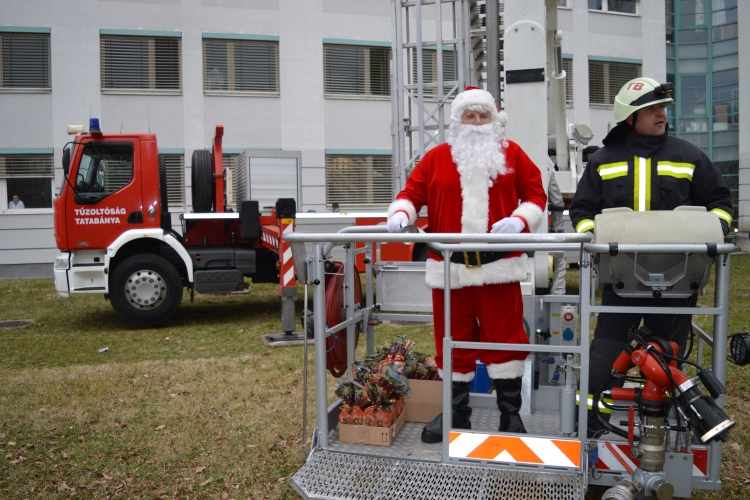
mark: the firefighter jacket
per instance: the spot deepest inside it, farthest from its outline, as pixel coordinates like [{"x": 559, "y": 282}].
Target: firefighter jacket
[{"x": 648, "y": 173}]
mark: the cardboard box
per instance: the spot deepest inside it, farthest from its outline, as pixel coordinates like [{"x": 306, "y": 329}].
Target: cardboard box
[
  {"x": 426, "y": 401},
  {"x": 366, "y": 434}
]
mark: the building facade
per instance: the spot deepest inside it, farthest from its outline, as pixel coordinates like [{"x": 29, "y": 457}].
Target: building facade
[
  {"x": 706, "y": 63},
  {"x": 306, "y": 78}
]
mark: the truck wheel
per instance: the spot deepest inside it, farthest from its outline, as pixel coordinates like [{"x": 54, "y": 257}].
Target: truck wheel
[
  {"x": 145, "y": 290},
  {"x": 203, "y": 181}
]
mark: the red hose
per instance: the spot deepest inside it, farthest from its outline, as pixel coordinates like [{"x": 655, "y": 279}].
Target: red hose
[{"x": 336, "y": 343}]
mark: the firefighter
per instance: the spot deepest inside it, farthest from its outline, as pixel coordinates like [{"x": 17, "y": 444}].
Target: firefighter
[
  {"x": 473, "y": 184},
  {"x": 643, "y": 168}
]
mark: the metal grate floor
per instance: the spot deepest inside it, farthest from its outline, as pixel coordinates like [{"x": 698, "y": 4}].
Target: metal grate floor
[{"x": 329, "y": 475}]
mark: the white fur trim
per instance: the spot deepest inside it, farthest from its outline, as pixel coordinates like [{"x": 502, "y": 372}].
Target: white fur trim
[
  {"x": 507, "y": 370},
  {"x": 508, "y": 270},
  {"x": 475, "y": 200},
  {"x": 405, "y": 205},
  {"x": 502, "y": 117},
  {"x": 531, "y": 212},
  {"x": 474, "y": 97},
  {"x": 458, "y": 377}
]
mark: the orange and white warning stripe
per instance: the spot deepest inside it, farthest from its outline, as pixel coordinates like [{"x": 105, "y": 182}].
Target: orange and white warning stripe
[
  {"x": 607, "y": 460},
  {"x": 515, "y": 449},
  {"x": 285, "y": 255}
]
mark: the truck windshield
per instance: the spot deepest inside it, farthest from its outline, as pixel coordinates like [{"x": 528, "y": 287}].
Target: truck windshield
[{"x": 105, "y": 168}]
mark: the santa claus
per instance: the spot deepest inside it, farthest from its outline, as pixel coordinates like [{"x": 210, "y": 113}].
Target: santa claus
[{"x": 478, "y": 182}]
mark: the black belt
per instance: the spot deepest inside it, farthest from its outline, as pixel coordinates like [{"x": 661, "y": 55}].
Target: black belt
[{"x": 475, "y": 259}]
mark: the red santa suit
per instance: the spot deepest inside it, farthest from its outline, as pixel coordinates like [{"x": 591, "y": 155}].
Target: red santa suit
[{"x": 486, "y": 301}]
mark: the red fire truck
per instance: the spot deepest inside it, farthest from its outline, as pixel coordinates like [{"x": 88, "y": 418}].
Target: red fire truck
[{"x": 113, "y": 227}]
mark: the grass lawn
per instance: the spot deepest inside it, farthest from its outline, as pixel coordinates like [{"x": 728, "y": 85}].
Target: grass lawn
[{"x": 198, "y": 408}]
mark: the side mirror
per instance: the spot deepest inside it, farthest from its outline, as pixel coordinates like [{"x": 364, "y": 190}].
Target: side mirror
[{"x": 66, "y": 159}]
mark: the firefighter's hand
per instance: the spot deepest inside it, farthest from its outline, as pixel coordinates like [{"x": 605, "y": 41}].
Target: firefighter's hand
[
  {"x": 508, "y": 225},
  {"x": 397, "y": 221}
]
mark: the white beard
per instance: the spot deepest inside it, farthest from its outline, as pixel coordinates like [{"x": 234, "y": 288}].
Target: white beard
[{"x": 476, "y": 149}]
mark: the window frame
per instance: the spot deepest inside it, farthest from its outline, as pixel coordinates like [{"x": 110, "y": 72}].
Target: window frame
[
  {"x": 605, "y": 9},
  {"x": 348, "y": 205},
  {"x": 27, "y": 32},
  {"x": 48, "y": 153},
  {"x": 430, "y": 94},
  {"x": 151, "y": 36},
  {"x": 178, "y": 155},
  {"x": 606, "y": 60},
  {"x": 231, "y": 38},
  {"x": 567, "y": 60},
  {"x": 356, "y": 44}
]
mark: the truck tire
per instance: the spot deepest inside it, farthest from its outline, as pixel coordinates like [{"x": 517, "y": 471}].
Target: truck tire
[
  {"x": 203, "y": 181},
  {"x": 145, "y": 290}
]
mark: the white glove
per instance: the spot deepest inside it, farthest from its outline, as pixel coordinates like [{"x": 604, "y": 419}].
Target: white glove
[
  {"x": 508, "y": 225},
  {"x": 397, "y": 221}
]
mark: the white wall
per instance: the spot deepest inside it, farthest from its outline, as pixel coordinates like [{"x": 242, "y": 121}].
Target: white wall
[{"x": 301, "y": 119}]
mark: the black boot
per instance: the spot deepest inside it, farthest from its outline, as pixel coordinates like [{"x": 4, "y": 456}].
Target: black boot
[
  {"x": 433, "y": 432},
  {"x": 509, "y": 403}
]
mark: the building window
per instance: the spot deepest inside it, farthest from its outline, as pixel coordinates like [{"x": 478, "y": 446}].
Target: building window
[
  {"x": 622, "y": 6},
  {"x": 607, "y": 78},
  {"x": 564, "y": 4},
  {"x": 429, "y": 71},
  {"x": 26, "y": 181},
  {"x": 359, "y": 181},
  {"x": 726, "y": 104},
  {"x": 140, "y": 64},
  {"x": 356, "y": 70},
  {"x": 568, "y": 68},
  {"x": 240, "y": 66},
  {"x": 175, "y": 164},
  {"x": 24, "y": 61}
]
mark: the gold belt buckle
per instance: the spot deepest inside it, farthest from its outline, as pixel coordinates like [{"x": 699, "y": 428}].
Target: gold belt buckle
[{"x": 470, "y": 266}]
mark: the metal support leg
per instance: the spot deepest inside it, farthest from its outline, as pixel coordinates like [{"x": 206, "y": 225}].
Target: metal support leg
[
  {"x": 319, "y": 299},
  {"x": 349, "y": 271},
  {"x": 583, "y": 377},
  {"x": 447, "y": 360},
  {"x": 370, "y": 296},
  {"x": 721, "y": 301}
]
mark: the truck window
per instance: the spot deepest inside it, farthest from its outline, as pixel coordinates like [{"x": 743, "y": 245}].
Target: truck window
[{"x": 105, "y": 168}]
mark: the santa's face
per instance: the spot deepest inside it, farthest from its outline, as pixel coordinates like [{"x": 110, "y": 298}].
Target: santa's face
[{"x": 473, "y": 117}]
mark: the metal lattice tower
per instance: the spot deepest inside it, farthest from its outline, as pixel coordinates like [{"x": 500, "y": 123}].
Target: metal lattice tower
[{"x": 418, "y": 100}]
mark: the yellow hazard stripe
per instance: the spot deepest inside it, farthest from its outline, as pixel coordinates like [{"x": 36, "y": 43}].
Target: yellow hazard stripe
[
  {"x": 585, "y": 225},
  {"x": 612, "y": 170},
  {"x": 674, "y": 169},
  {"x": 590, "y": 401},
  {"x": 722, "y": 214}
]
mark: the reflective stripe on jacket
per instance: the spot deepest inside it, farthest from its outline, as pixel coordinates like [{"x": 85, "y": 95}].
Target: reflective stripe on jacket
[{"x": 648, "y": 173}]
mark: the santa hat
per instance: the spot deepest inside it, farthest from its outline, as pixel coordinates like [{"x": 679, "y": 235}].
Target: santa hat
[{"x": 474, "y": 96}]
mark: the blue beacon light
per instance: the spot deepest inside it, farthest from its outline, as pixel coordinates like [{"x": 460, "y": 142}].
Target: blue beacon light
[{"x": 94, "y": 126}]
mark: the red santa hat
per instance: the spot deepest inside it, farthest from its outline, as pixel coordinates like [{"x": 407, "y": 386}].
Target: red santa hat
[{"x": 474, "y": 96}]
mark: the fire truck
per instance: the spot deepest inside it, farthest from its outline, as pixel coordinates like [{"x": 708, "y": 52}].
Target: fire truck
[{"x": 114, "y": 230}]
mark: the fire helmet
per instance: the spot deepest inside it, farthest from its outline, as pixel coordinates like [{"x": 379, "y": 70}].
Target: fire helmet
[{"x": 641, "y": 93}]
